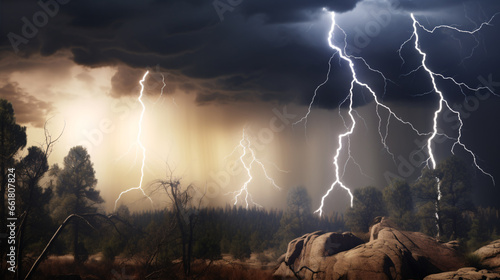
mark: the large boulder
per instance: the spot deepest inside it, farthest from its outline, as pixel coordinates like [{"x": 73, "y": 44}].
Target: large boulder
[
  {"x": 390, "y": 254},
  {"x": 490, "y": 255},
  {"x": 378, "y": 224},
  {"x": 310, "y": 250},
  {"x": 469, "y": 273}
]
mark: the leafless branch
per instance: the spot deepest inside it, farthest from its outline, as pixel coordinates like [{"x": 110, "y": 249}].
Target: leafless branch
[
  {"x": 48, "y": 138},
  {"x": 61, "y": 228}
]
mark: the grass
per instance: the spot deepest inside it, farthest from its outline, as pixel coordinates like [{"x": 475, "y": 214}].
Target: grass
[
  {"x": 48, "y": 269},
  {"x": 474, "y": 260},
  {"x": 234, "y": 272},
  {"x": 51, "y": 268}
]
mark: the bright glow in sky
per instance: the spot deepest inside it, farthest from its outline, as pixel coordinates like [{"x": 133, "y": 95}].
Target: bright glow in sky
[
  {"x": 193, "y": 140},
  {"x": 249, "y": 71}
]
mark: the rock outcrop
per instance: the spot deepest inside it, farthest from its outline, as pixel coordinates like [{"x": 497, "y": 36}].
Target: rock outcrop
[
  {"x": 490, "y": 255},
  {"x": 390, "y": 254},
  {"x": 310, "y": 250},
  {"x": 469, "y": 273}
]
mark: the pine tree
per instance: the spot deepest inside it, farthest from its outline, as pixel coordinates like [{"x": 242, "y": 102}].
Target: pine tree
[
  {"x": 76, "y": 192},
  {"x": 12, "y": 139},
  {"x": 399, "y": 201},
  {"x": 368, "y": 204}
]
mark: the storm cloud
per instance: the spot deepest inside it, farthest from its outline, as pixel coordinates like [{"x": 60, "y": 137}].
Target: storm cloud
[
  {"x": 261, "y": 50},
  {"x": 29, "y": 109}
]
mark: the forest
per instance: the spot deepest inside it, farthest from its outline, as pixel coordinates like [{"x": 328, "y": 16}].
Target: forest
[{"x": 61, "y": 229}]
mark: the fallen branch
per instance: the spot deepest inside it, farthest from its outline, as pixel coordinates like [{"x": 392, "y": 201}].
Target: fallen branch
[{"x": 60, "y": 229}]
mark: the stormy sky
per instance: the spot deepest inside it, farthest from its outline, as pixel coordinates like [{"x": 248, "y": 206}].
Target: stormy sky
[{"x": 236, "y": 64}]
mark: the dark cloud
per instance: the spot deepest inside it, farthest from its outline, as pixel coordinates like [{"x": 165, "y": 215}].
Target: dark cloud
[
  {"x": 27, "y": 108},
  {"x": 429, "y": 5},
  {"x": 244, "y": 53},
  {"x": 124, "y": 82},
  {"x": 282, "y": 11},
  {"x": 262, "y": 50}
]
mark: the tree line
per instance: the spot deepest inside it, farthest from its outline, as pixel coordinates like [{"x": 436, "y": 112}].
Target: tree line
[{"x": 439, "y": 204}]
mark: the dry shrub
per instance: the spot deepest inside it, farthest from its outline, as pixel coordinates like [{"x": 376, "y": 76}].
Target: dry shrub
[
  {"x": 235, "y": 272},
  {"x": 104, "y": 270},
  {"x": 87, "y": 271}
]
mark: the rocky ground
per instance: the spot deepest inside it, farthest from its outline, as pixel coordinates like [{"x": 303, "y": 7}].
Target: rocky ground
[{"x": 390, "y": 254}]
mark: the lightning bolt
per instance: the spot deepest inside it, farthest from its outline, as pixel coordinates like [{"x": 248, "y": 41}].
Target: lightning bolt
[
  {"x": 162, "y": 87},
  {"x": 132, "y": 144},
  {"x": 140, "y": 145},
  {"x": 391, "y": 115},
  {"x": 245, "y": 146},
  {"x": 305, "y": 117},
  {"x": 349, "y": 99},
  {"x": 443, "y": 103}
]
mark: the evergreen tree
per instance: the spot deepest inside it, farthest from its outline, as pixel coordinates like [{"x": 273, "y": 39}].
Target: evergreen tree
[
  {"x": 76, "y": 192},
  {"x": 399, "y": 203},
  {"x": 35, "y": 223},
  {"x": 240, "y": 248},
  {"x": 12, "y": 139},
  {"x": 443, "y": 195},
  {"x": 456, "y": 193},
  {"x": 368, "y": 204},
  {"x": 428, "y": 202},
  {"x": 296, "y": 220}
]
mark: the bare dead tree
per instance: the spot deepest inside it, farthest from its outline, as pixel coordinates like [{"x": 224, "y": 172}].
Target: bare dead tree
[{"x": 185, "y": 211}]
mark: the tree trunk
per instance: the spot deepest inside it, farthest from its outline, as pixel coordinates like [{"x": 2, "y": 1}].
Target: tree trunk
[
  {"x": 75, "y": 242},
  {"x": 75, "y": 236},
  {"x": 190, "y": 244},
  {"x": 184, "y": 237}
]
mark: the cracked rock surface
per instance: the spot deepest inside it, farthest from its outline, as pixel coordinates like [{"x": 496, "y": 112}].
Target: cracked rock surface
[
  {"x": 390, "y": 254},
  {"x": 469, "y": 273},
  {"x": 490, "y": 255}
]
